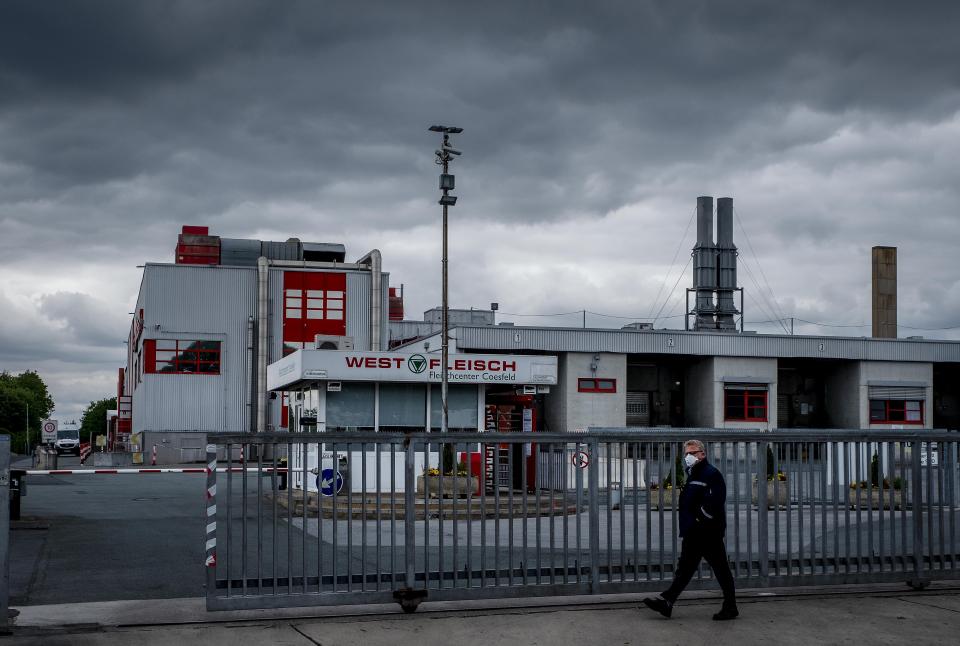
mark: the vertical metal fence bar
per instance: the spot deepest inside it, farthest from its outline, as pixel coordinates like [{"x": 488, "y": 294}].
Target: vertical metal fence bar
[
  {"x": 228, "y": 543},
  {"x": 929, "y": 505},
  {"x": 290, "y": 507},
  {"x": 577, "y": 479},
  {"x": 823, "y": 446},
  {"x": 623, "y": 524},
  {"x": 799, "y": 472},
  {"x": 470, "y": 495},
  {"x": 635, "y": 508},
  {"x": 553, "y": 483},
  {"x": 941, "y": 500},
  {"x": 661, "y": 491},
  {"x": 426, "y": 512},
  {"x": 594, "y": 484},
  {"x": 441, "y": 491},
  {"x": 260, "y": 448},
  {"x": 952, "y": 475},
  {"x": 792, "y": 486},
  {"x": 349, "y": 518},
  {"x": 737, "y": 459},
  {"x": 882, "y": 478},
  {"x": 484, "y": 483},
  {"x": 335, "y": 513},
  {"x": 409, "y": 517},
  {"x": 752, "y": 464},
  {"x": 274, "y": 520},
  {"x": 496, "y": 514},
  {"x": 363, "y": 516},
  {"x": 605, "y": 448},
  {"x": 673, "y": 497},
  {"x": 377, "y": 568},
  {"x": 777, "y": 502},
  {"x": 510, "y": 514},
  {"x": 393, "y": 513},
  {"x": 648, "y": 448},
  {"x": 302, "y": 447},
  {"x": 454, "y": 548},
  {"x": 763, "y": 539},
  {"x": 524, "y": 560},
  {"x": 917, "y": 483},
  {"x": 243, "y": 519},
  {"x": 539, "y": 510},
  {"x": 870, "y": 507},
  {"x": 835, "y": 471},
  {"x": 318, "y": 448},
  {"x": 904, "y": 560}
]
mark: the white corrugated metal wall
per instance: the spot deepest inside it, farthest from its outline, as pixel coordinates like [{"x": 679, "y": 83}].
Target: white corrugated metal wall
[{"x": 197, "y": 303}]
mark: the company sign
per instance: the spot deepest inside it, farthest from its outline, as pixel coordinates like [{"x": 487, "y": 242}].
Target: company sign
[{"x": 424, "y": 368}]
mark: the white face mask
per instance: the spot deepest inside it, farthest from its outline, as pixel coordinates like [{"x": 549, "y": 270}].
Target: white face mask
[{"x": 690, "y": 460}]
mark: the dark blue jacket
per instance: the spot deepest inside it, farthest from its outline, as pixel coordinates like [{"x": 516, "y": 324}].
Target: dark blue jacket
[{"x": 702, "y": 500}]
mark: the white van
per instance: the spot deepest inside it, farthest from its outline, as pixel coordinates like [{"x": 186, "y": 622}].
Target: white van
[{"x": 68, "y": 441}]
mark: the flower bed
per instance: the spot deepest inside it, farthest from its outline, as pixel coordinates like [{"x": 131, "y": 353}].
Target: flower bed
[{"x": 452, "y": 486}]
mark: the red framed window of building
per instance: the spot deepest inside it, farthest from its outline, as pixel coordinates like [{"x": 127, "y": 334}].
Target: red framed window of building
[
  {"x": 596, "y": 385},
  {"x": 180, "y": 356},
  {"x": 745, "y": 403},
  {"x": 896, "y": 411},
  {"x": 313, "y": 303}
]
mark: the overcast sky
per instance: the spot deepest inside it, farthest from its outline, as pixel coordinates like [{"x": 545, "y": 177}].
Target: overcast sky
[{"x": 589, "y": 131}]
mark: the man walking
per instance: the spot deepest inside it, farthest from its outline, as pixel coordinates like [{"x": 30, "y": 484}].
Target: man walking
[{"x": 703, "y": 522}]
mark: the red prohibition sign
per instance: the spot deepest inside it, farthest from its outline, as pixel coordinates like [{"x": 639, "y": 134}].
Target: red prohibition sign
[{"x": 581, "y": 459}]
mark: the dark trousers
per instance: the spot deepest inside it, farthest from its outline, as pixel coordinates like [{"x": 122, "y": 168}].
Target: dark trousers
[{"x": 708, "y": 546}]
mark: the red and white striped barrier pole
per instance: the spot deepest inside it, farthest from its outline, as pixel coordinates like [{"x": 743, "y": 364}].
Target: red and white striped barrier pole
[
  {"x": 85, "y": 451},
  {"x": 211, "y": 561},
  {"x": 87, "y": 472},
  {"x": 153, "y": 457}
]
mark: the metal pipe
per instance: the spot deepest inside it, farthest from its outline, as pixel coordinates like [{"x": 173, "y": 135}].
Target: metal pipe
[
  {"x": 263, "y": 271},
  {"x": 376, "y": 296},
  {"x": 251, "y": 380}
]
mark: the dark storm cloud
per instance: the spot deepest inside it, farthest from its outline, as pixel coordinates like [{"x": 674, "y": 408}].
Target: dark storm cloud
[{"x": 590, "y": 128}]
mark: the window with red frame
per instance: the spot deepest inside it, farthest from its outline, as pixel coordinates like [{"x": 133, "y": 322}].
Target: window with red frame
[
  {"x": 179, "y": 356},
  {"x": 896, "y": 411},
  {"x": 597, "y": 385},
  {"x": 746, "y": 403}
]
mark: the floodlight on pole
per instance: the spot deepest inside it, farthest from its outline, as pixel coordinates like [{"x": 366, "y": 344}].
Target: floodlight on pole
[{"x": 444, "y": 154}]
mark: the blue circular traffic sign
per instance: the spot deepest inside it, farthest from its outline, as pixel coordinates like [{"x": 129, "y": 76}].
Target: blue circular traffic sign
[{"x": 328, "y": 483}]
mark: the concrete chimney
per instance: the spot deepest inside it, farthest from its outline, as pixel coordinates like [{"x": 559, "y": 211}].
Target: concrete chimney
[
  {"x": 884, "y": 304},
  {"x": 726, "y": 265},
  {"x": 704, "y": 266}
]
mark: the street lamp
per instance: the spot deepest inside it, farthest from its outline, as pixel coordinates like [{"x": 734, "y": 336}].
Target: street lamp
[{"x": 444, "y": 154}]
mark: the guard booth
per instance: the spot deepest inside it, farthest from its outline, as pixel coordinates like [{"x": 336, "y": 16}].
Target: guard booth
[{"x": 337, "y": 391}]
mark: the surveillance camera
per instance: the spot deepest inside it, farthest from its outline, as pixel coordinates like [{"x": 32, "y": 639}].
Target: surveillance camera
[{"x": 452, "y": 151}]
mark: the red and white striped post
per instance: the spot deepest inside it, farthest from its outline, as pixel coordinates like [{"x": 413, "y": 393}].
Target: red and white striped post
[
  {"x": 153, "y": 457},
  {"x": 211, "y": 545}
]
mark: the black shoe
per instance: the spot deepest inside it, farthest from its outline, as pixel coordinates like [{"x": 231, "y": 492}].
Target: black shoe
[
  {"x": 659, "y": 604},
  {"x": 726, "y": 614}
]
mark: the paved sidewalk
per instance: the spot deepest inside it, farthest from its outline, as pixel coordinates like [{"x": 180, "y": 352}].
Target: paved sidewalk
[{"x": 854, "y": 615}]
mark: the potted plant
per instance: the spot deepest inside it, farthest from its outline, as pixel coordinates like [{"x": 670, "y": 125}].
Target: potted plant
[
  {"x": 454, "y": 483},
  {"x": 663, "y": 499},
  {"x": 878, "y": 492},
  {"x": 778, "y": 491}
]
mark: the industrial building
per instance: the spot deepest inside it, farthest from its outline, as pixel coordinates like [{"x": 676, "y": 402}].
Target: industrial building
[
  {"x": 341, "y": 358},
  {"x": 206, "y": 326}
]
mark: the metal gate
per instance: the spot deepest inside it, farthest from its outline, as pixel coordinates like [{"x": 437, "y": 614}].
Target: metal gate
[{"x": 385, "y": 517}]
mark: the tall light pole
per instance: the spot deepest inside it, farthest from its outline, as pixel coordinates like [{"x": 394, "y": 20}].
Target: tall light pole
[{"x": 444, "y": 155}]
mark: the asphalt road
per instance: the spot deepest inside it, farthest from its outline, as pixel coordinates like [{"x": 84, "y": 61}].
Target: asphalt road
[{"x": 108, "y": 537}]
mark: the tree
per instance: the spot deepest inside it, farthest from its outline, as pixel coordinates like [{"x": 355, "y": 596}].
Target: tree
[
  {"x": 94, "y": 420},
  {"x": 18, "y": 393}
]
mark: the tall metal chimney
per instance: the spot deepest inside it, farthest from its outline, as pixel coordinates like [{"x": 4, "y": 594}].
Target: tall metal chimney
[
  {"x": 726, "y": 265},
  {"x": 884, "y": 303},
  {"x": 704, "y": 266}
]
